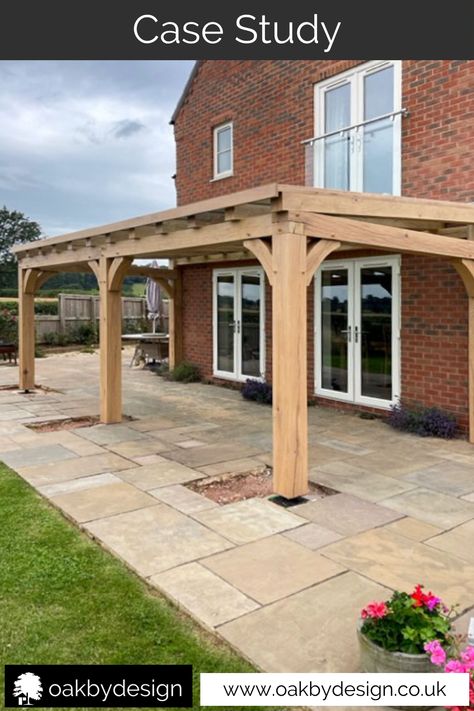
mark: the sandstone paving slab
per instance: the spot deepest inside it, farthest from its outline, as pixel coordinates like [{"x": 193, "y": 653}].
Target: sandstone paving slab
[
  {"x": 151, "y": 476},
  {"x": 181, "y": 433},
  {"x": 349, "y": 479},
  {"x": 458, "y": 541},
  {"x": 413, "y": 528},
  {"x": 30, "y": 456},
  {"x": 85, "y": 482},
  {"x": 397, "y": 562},
  {"x": 212, "y": 453},
  {"x": 146, "y": 424},
  {"x": 157, "y": 538},
  {"x": 138, "y": 448},
  {"x": 344, "y": 446},
  {"x": 99, "y": 502},
  {"x": 461, "y": 623},
  {"x": 55, "y": 472},
  {"x": 148, "y": 459},
  {"x": 190, "y": 443},
  {"x": 271, "y": 568},
  {"x": 233, "y": 466},
  {"x": 182, "y": 499},
  {"x": 311, "y": 631},
  {"x": 246, "y": 521},
  {"x": 18, "y": 414},
  {"x": 204, "y": 595},
  {"x": 346, "y": 514},
  {"x": 110, "y": 434},
  {"x": 313, "y": 536},
  {"x": 397, "y": 465},
  {"x": 66, "y": 438},
  {"x": 448, "y": 477},
  {"x": 433, "y": 507}
]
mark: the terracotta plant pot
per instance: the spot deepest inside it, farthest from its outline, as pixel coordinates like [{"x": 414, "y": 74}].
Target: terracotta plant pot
[{"x": 376, "y": 659}]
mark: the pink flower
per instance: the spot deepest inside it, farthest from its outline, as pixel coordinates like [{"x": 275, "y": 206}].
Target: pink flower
[
  {"x": 436, "y": 652},
  {"x": 375, "y": 610},
  {"x": 455, "y": 666},
  {"x": 467, "y": 656},
  {"x": 432, "y": 601}
]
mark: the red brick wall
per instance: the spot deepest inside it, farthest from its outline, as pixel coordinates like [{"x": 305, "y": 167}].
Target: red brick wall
[
  {"x": 434, "y": 335},
  {"x": 271, "y": 104}
]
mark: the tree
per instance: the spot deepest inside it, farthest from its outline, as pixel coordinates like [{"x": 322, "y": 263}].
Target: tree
[
  {"x": 15, "y": 228},
  {"x": 28, "y": 685}
]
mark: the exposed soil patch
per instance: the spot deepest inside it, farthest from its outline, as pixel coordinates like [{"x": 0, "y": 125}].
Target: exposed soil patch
[
  {"x": 229, "y": 488},
  {"x": 69, "y": 423},
  {"x": 37, "y": 390}
]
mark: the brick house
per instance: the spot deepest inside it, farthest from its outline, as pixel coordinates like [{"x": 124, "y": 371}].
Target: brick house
[{"x": 380, "y": 326}]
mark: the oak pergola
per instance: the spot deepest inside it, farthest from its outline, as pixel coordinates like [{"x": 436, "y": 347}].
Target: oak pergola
[{"x": 290, "y": 230}]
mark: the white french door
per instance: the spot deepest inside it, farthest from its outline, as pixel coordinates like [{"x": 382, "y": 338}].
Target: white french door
[
  {"x": 239, "y": 323},
  {"x": 357, "y": 330},
  {"x": 358, "y": 129}
]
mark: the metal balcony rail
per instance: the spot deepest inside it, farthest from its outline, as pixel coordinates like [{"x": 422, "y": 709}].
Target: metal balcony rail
[{"x": 356, "y": 126}]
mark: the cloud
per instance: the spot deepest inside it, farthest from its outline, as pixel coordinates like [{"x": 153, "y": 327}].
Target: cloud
[
  {"x": 127, "y": 127},
  {"x": 84, "y": 143}
]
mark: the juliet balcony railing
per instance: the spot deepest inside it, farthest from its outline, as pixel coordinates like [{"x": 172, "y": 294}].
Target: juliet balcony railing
[{"x": 337, "y": 159}]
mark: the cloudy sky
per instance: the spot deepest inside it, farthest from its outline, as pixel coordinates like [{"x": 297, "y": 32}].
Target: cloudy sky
[{"x": 85, "y": 143}]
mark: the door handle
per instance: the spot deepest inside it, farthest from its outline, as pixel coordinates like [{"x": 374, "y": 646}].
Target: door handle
[
  {"x": 356, "y": 334},
  {"x": 348, "y": 330}
]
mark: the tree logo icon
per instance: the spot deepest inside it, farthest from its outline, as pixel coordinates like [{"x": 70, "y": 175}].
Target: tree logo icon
[{"x": 27, "y": 688}]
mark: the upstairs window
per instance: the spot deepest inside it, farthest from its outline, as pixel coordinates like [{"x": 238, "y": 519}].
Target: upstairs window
[
  {"x": 357, "y": 143},
  {"x": 223, "y": 151}
]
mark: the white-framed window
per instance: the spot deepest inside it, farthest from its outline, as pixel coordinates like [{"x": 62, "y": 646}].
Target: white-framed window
[
  {"x": 223, "y": 150},
  {"x": 358, "y": 129}
]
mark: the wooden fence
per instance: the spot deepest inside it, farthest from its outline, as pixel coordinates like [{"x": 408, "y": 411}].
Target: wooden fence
[{"x": 75, "y": 310}]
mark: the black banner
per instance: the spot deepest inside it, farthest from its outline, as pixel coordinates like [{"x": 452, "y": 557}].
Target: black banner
[
  {"x": 323, "y": 29},
  {"x": 109, "y": 686}
]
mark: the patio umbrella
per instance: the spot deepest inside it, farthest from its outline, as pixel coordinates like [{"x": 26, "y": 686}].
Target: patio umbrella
[{"x": 153, "y": 298}]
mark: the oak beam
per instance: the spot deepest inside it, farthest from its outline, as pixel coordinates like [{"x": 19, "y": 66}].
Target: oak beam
[
  {"x": 264, "y": 255},
  {"x": 317, "y": 253},
  {"x": 465, "y": 269},
  {"x": 334, "y": 202},
  {"x": 175, "y": 316},
  {"x": 210, "y": 237},
  {"x": 289, "y": 313},
  {"x": 110, "y": 342},
  {"x": 151, "y": 272},
  {"x": 383, "y": 237},
  {"x": 26, "y": 327}
]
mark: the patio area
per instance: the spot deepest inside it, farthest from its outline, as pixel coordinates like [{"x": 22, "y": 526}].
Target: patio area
[{"x": 284, "y": 586}]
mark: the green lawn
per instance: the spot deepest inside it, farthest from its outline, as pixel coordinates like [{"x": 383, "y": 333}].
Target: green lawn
[{"x": 63, "y": 600}]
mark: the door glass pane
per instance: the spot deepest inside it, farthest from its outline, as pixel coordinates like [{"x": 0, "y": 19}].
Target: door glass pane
[
  {"x": 225, "y": 323},
  {"x": 378, "y": 93},
  {"x": 378, "y": 136},
  {"x": 334, "y": 323},
  {"x": 337, "y": 114},
  {"x": 250, "y": 325},
  {"x": 376, "y": 332}
]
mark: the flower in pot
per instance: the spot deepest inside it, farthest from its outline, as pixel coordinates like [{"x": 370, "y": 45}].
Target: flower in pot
[
  {"x": 455, "y": 660},
  {"x": 392, "y": 634}
]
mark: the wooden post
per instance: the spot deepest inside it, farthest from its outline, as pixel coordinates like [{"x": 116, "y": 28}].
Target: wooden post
[
  {"x": 175, "y": 320},
  {"x": 465, "y": 267},
  {"x": 110, "y": 341},
  {"x": 26, "y": 327},
  {"x": 290, "y": 414}
]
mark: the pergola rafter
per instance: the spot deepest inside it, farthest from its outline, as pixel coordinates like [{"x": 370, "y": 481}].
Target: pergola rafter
[{"x": 290, "y": 231}]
